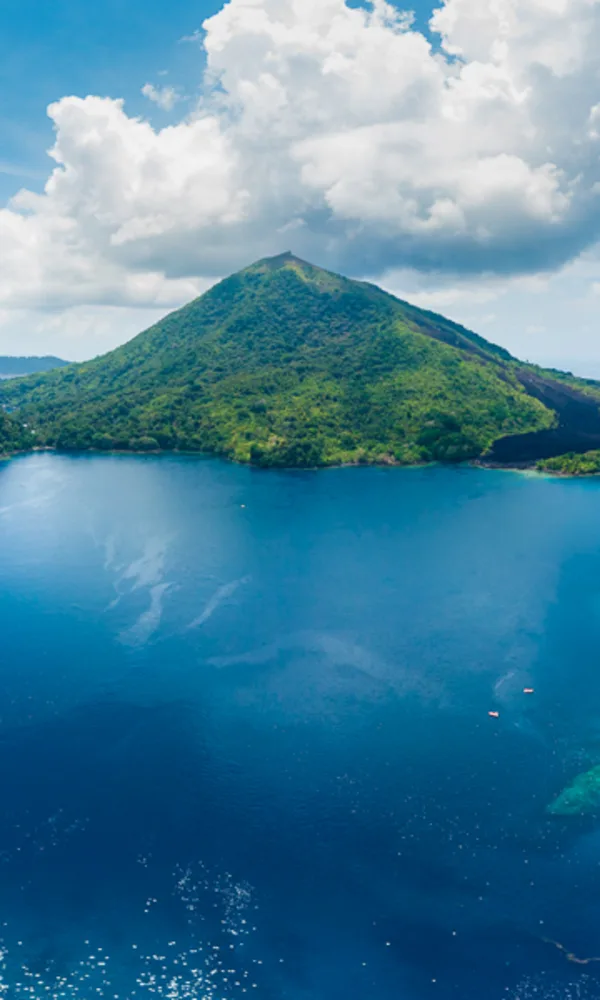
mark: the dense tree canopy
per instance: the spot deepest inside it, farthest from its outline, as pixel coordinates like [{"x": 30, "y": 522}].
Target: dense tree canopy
[
  {"x": 587, "y": 464},
  {"x": 13, "y": 436}
]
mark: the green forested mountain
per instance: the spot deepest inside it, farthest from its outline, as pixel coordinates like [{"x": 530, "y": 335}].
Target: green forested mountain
[{"x": 286, "y": 364}]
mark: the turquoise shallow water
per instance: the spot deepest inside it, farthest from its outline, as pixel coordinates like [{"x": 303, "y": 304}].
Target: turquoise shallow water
[{"x": 245, "y": 742}]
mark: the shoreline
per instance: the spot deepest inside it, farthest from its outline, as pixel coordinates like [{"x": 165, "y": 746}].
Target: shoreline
[{"x": 522, "y": 468}]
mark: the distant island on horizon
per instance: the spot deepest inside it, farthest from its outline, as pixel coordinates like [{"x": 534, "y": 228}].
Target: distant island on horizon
[
  {"x": 17, "y": 367},
  {"x": 287, "y": 365}
]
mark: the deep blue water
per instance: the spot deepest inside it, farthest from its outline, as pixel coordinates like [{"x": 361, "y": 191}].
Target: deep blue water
[{"x": 244, "y": 732}]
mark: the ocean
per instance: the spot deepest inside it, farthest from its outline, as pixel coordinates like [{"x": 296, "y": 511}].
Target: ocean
[{"x": 245, "y": 734}]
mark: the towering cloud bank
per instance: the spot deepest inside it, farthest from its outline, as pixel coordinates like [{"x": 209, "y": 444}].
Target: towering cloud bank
[{"x": 344, "y": 133}]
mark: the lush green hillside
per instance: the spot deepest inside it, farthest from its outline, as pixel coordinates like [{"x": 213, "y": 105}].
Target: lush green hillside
[
  {"x": 286, "y": 364},
  {"x": 587, "y": 464},
  {"x": 12, "y": 367},
  {"x": 13, "y": 436}
]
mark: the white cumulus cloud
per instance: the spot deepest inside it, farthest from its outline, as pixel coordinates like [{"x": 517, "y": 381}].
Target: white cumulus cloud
[
  {"x": 165, "y": 97},
  {"x": 341, "y": 133}
]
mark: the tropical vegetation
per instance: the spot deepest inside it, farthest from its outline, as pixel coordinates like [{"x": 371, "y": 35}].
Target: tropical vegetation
[
  {"x": 285, "y": 364},
  {"x": 587, "y": 464},
  {"x": 13, "y": 436}
]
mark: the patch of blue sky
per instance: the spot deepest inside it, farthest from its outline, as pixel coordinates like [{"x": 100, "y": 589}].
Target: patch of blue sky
[
  {"x": 422, "y": 10},
  {"x": 50, "y": 50}
]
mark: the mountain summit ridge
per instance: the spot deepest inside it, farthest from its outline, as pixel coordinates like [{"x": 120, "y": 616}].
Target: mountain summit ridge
[{"x": 287, "y": 364}]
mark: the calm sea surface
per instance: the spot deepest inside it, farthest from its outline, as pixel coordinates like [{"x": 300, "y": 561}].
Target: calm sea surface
[{"x": 245, "y": 742}]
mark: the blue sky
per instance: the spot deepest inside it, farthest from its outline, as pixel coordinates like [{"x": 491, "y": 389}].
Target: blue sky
[
  {"x": 465, "y": 178},
  {"x": 49, "y": 50},
  {"x": 111, "y": 48}
]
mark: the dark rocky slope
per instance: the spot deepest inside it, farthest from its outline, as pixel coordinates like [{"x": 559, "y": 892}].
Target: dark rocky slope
[{"x": 577, "y": 430}]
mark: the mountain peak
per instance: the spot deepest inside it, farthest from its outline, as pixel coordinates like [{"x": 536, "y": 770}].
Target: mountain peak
[
  {"x": 287, "y": 264},
  {"x": 284, "y": 258},
  {"x": 281, "y": 260}
]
